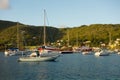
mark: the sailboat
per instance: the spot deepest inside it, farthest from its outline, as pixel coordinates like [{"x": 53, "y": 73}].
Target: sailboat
[
  {"x": 69, "y": 49},
  {"x": 47, "y": 50},
  {"x": 43, "y": 53},
  {"x": 102, "y": 52},
  {"x": 37, "y": 58},
  {"x": 13, "y": 51}
]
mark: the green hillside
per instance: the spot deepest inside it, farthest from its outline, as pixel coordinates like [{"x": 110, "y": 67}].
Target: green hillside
[
  {"x": 6, "y": 24},
  {"x": 33, "y": 35},
  {"x": 28, "y": 35},
  {"x": 96, "y": 33}
]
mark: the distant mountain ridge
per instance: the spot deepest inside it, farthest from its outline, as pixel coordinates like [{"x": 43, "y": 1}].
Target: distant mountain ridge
[{"x": 5, "y": 24}]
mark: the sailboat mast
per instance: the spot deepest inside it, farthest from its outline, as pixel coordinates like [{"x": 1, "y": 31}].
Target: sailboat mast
[
  {"x": 44, "y": 28},
  {"x": 110, "y": 38},
  {"x": 68, "y": 37},
  {"x": 77, "y": 40},
  {"x": 17, "y": 35}
]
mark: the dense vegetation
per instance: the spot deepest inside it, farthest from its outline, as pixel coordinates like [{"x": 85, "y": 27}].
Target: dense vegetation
[
  {"x": 11, "y": 33},
  {"x": 96, "y": 33},
  {"x": 25, "y": 35}
]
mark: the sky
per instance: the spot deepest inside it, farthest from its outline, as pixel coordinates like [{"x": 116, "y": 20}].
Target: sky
[{"x": 62, "y": 13}]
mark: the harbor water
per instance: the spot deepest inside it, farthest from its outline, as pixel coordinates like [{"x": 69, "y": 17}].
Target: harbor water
[{"x": 66, "y": 67}]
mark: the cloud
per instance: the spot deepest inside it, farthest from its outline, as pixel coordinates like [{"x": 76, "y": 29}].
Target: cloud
[{"x": 4, "y": 4}]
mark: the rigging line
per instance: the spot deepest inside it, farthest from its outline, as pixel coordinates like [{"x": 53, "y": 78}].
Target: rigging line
[{"x": 46, "y": 17}]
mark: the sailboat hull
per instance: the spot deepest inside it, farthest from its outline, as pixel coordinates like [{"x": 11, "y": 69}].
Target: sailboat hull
[
  {"x": 34, "y": 59},
  {"x": 102, "y": 53}
]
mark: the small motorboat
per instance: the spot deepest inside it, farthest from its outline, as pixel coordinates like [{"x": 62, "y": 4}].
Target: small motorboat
[{"x": 102, "y": 53}]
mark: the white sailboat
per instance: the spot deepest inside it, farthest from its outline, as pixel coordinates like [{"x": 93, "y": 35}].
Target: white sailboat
[
  {"x": 12, "y": 51},
  {"x": 15, "y": 51},
  {"x": 102, "y": 53},
  {"x": 47, "y": 50},
  {"x": 67, "y": 51},
  {"x": 41, "y": 54},
  {"x": 118, "y": 52},
  {"x": 36, "y": 57}
]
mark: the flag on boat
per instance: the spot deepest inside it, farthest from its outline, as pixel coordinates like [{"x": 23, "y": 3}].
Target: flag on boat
[{"x": 4, "y": 4}]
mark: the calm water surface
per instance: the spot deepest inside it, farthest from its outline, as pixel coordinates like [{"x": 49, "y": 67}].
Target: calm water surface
[{"x": 66, "y": 67}]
